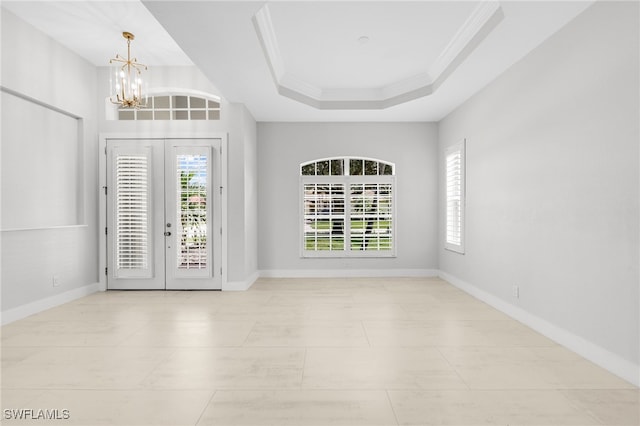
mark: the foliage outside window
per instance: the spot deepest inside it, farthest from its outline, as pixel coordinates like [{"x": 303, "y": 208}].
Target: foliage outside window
[{"x": 348, "y": 208}]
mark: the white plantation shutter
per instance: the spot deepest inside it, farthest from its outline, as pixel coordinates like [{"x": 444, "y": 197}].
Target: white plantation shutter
[
  {"x": 190, "y": 173},
  {"x": 454, "y": 170},
  {"x": 324, "y": 205},
  {"x": 192, "y": 185},
  {"x": 347, "y": 208},
  {"x": 371, "y": 207},
  {"x": 132, "y": 203}
]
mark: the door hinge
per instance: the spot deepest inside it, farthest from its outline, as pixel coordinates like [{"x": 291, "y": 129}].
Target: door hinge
[
  {"x": 105, "y": 190},
  {"x": 220, "y": 190},
  {"x": 106, "y": 270},
  {"x": 105, "y": 230}
]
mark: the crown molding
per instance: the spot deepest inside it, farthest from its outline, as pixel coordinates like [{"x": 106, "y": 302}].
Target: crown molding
[
  {"x": 474, "y": 26},
  {"x": 478, "y": 25}
]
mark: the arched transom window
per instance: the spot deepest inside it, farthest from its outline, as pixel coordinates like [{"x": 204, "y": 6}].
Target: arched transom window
[
  {"x": 348, "y": 207},
  {"x": 174, "y": 107},
  {"x": 346, "y": 166}
]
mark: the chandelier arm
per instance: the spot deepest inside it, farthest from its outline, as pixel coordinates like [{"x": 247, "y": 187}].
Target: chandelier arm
[{"x": 123, "y": 61}]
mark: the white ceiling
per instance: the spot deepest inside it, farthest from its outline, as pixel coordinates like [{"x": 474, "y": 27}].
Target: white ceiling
[
  {"x": 339, "y": 59},
  {"x": 280, "y": 58},
  {"x": 93, "y": 29}
]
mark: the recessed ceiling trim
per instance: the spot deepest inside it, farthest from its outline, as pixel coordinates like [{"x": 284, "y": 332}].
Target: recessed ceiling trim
[
  {"x": 264, "y": 28},
  {"x": 408, "y": 85},
  {"x": 294, "y": 83},
  {"x": 477, "y": 26}
]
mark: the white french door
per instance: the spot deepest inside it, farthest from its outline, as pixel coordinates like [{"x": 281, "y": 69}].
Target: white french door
[{"x": 163, "y": 214}]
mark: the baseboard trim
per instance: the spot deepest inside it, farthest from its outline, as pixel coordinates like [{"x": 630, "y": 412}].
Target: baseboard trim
[
  {"x": 588, "y": 350},
  {"x": 346, "y": 273},
  {"x": 241, "y": 285},
  {"x": 38, "y": 306}
]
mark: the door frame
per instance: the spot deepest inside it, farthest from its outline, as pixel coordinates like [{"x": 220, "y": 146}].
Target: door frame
[{"x": 102, "y": 197}]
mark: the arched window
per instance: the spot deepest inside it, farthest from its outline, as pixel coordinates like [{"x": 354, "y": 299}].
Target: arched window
[
  {"x": 174, "y": 107},
  {"x": 348, "y": 207}
]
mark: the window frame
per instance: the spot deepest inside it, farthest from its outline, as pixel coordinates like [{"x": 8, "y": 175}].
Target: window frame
[
  {"x": 171, "y": 111},
  {"x": 347, "y": 180},
  {"x": 458, "y": 148},
  {"x": 174, "y": 110}
]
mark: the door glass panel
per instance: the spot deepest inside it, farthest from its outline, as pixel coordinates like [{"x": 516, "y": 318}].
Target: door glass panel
[
  {"x": 191, "y": 211},
  {"x": 132, "y": 215}
]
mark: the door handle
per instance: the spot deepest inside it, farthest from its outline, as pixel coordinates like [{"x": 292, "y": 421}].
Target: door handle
[{"x": 167, "y": 234}]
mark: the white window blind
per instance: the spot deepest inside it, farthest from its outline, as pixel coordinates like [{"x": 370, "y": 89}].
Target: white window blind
[
  {"x": 324, "y": 216},
  {"x": 454, "y": 170},
  {"x": 192, "y": 211},
  {"x": 132, "y": 213},
  {"x": 371, "y": 206},
  {"x": 347, "y": 208}
]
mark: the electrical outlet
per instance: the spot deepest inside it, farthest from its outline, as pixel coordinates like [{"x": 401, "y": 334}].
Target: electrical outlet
[
  {"x": 515, "y": 291},
  {"x": 56, "y": 281}
]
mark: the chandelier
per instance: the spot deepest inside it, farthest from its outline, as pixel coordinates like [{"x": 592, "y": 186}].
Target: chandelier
[{"x": 126, "y": 81}]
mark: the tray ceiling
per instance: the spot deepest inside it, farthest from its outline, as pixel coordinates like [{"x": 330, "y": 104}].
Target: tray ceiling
[{"x": 317, "y": 60}]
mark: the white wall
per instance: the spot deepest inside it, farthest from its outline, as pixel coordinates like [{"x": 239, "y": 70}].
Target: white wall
[
  {"x": 281, "y": 149},
  {"x": 250, "y": 196},
  {"x": 242, "y": 199},
  {"x": 59, "y": 150},
  {"x": 37, "y": 67},
  {"x": 553, "y": 185}
]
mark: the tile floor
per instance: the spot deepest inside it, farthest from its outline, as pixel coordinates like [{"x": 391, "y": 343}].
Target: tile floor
[{"x": 301, "y": 352}]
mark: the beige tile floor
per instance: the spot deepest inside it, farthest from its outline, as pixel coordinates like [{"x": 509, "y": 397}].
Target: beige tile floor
[{"x": 301, "y": 352}]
